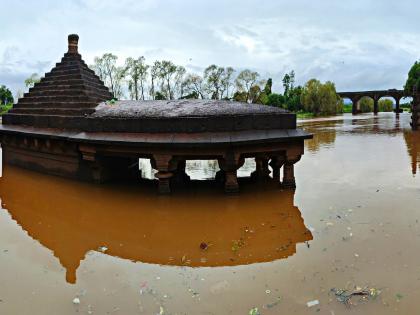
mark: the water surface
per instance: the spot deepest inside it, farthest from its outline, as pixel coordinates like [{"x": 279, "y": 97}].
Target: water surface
[{"x": 121, "y": 249}]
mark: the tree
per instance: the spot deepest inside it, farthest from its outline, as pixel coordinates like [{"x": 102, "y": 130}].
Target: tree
[
  {"x": 179, "y": 82},
  {"x": 413, "y": 78},
  {"x": 245, "y": 80},
  {"x": 6, "y": 96},
  {"x": 320, "y": 99},
  {"x": 385, "y": 105},
  {"x": 226, "y": 82},
  {"x": 256, "y": 95},
  {"x": 194, "y": 86},
  {"x": 136, "y": 72},
  {"x": 213, "y": 79},
  {"x": 275, "y": 99},
  {"x": 268, "y": 86},
  {"x": 108, "y": 71},
  {"x": 166, "y": 71},
  {"x": 288, "y": 82},
  {"x": 366, "y": 104},
  {"x": 154, "y": 75},
  {"x": 32, "y": 80}
]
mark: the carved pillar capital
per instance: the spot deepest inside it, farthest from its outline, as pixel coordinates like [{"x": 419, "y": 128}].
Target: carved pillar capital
[
  {"x": 229, "y": 164},
  {"x": 165, "y": 165}
]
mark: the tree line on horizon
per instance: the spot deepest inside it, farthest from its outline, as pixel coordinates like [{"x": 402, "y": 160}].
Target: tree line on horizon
[{"x": 164, "y": 80}]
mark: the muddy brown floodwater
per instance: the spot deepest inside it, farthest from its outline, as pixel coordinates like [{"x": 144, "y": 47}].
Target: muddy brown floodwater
[{"x": 353, "y": 221}]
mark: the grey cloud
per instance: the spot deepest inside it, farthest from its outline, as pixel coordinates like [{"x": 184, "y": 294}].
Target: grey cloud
[{"x": 357, "y": 44}]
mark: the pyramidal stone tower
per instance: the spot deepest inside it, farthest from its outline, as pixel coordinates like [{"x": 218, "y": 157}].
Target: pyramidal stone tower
[{"x": 65, "y": 94}]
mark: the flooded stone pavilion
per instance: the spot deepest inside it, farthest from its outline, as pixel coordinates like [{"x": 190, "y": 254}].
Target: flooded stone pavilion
[{"x": 67, "y": 125}]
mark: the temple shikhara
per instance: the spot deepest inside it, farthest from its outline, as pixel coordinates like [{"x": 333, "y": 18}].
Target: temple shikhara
[{"x": 67, "y": 125}]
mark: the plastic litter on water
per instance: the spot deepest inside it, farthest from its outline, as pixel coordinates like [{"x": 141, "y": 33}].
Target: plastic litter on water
[{"x": 312, "y": 303}]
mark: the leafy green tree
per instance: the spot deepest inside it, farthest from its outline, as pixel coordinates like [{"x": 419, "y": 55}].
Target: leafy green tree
[
  {"x": 268, "y": 86},
  {"x": 193, "y": 95},
  {"x": 136, "y": 72},
  {"x": 385, "y": 105},
  {"x": 6, "y": 96},
  {"x": 413, "y": 78},
  {"x": 213, "y": 78},
  {"x": 154, "y": 75},
  {"x": 160, "y": 96},
  {"x": 32, "y": 80},
  {"x": 194, "y": 86},
  {"x": 180, "y": 87},
  {"x": 366, "y": 104},
  {"x": 245, "y": 80},
  {"x": 275, "y": 99},
  {"x": 111, "y": 74},
  {"x": 256, "y": 95},
  {"x": 293, "y": 99},
  {"x": 288, "y": 82},
  {"x": 166, "y": 72},
  {"x": 240, "y": 96},
  {"x": 226, "y": 82},
  {"x": 319, "y": 98}
]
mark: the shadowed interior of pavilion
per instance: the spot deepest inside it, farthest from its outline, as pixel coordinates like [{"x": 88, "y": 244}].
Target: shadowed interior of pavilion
[
  {"x": 72, "y": 219},
  {"x": 66, "y": 126}
]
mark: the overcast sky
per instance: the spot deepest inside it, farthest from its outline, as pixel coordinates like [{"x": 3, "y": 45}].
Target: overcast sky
[{"x": 358, "y": 44}]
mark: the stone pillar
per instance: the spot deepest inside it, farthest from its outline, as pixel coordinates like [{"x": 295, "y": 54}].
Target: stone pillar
[
  {"x": 262, "y": 172},
  {"x": 397, "y": 105},
  {"x": 91, "y": 166},
  {"x": 165, "y": 166},
  {"x": 375, "y": 105},
  {"x": 181, "y": 176},
  {"x": 229, "y": 164},
  {"x": 354, "y": 109},
  {"x": 288, "y": 170}
]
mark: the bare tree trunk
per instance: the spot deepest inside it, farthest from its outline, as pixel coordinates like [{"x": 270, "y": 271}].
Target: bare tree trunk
[
  {"x": 169, "y": 89},
  {"x": 152, "y": 89},
  {"x": 136, "y": 89}
]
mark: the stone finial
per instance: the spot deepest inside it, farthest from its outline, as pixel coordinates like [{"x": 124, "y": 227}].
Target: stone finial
[{"x": 73, "y": 43}]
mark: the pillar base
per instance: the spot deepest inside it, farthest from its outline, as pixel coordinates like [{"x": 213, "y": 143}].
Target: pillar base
[
  {"x": 291, "y": 184},
  {"x": 220, "y": 176},
  {"x": 164, "y": 187},
  {"x": 231, "y": 183}
]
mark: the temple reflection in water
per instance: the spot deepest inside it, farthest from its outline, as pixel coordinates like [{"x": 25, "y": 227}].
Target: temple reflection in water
[
  {"x": 72, "y": 219},
  {"x": 412, "y": 140}
]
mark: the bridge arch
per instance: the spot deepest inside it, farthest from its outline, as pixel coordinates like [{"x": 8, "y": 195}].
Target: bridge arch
[{"x": 355, "y": 97}]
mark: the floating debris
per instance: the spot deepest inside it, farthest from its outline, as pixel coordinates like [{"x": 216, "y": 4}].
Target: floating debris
[
  {"x": 254, "y": 311},
  {"x": 237, "y": 244},
  {"x": 312, "y": 303},
  {"x": 345, "y": 296},
  {"x": 76, "y": 301},
  {"x": 273, "y": 304},
  {"x": 103, "y": 249},
  {"x": 204, "y": 246}
]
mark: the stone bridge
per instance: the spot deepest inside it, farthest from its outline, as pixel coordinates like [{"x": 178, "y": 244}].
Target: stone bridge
[{"x": 355, "y": 97}]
